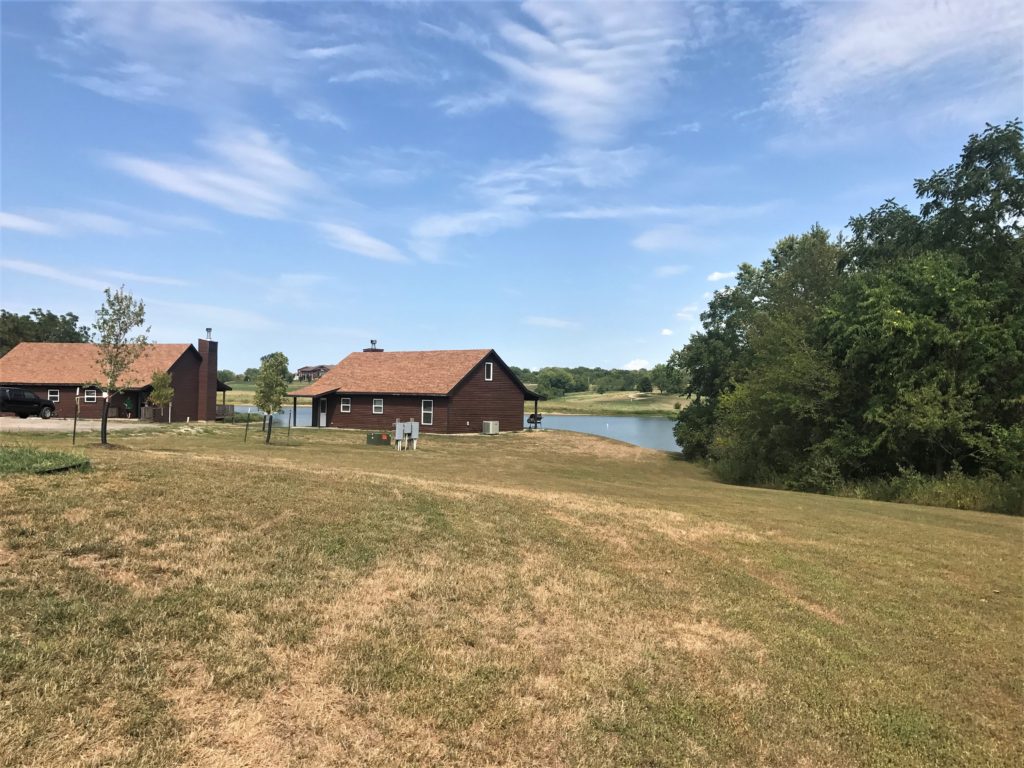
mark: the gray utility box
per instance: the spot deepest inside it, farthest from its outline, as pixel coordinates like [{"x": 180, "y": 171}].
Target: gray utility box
[
  {"x": 490, "y": 427},
  {"x": 378, "y": 438}
]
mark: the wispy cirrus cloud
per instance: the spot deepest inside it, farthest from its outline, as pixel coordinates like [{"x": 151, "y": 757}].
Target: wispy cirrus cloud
[
  {"x": 844, "y": 55},
  {"x": 245, "y": 172},
  {"x": 315, "y": 112},
  {"x": 593, "y": 68},
  {"x": 353, "y": 240},
  {"x": 186, "y": 54},
  {"x": 689, "y": 312},
  {"x": 135, "y": 277},
  {"x": 64, "y": 222},
  {"x": 19, "y": 223},
  {"x": 52, "y": 273}
]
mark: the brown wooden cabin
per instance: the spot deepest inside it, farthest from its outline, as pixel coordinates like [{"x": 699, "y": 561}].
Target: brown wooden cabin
[
  {"x": 311, "y": 372},
  {"x": 56, "y": 370},
  {"x": 447, "y": 391}
]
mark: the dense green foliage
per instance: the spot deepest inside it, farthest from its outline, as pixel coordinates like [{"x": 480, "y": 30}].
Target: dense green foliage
[
  {"x": 899, "y": 349},
  {"x": 39, "y": 325},
  {"x": 118, "y": 345},
  {"x": 271, "y": 384},
  {"x": 226, "y": 374},
  {"x": 555, "y": 382}
]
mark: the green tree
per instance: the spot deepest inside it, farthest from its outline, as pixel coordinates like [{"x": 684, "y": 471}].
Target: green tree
[
  {"x": 39, "y": 325},
  {"x": 250, "y": 374},
  {"x": 118, "y": 347},
  {"x": 162, "y": 393},
  {"x": 900, "y": 348},
  {"x": 644, "y": 384},
  {"x": 555, "y": 382},
  {"x": 226, "y": 374},
  {"x": 271, "y": 384}
]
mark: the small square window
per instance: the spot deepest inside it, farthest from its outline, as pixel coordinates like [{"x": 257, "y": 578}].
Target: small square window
[
  {"x": 378, "y": 405},
  {"x": 346, "y": 405},
  {"x": 488, "y": 371},
  {"x": 53, "y": 395},
  {"x": 90, "y": 395}
]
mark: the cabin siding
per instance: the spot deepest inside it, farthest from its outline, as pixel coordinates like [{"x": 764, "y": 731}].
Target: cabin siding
[
  {"x": 476, "y": 400},
  {"x": 65, "y": 406},
  {"x": 186, "y": 385},
  {"x": 396, "y": 407},
  {"x": 185, "y": 379}
]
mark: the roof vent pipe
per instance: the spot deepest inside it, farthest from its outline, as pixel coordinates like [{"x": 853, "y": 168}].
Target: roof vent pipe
[
  {"x": 373, "y": 347},
  {"x": 209, "y": 334}
]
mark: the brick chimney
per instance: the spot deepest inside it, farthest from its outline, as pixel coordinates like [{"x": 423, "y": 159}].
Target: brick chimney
[
  {"x": 373, "y": 347},
  {"x": 207, "y": 408}
]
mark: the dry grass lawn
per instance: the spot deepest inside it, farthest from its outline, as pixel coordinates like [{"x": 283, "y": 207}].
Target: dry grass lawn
[{"x": 536, "y": 599}]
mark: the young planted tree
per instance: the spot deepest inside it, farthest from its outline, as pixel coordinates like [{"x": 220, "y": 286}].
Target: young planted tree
[
  {"x": 271, "y": 384},
  {"x": 162, "y": 393},
  {"x": 117, "y": 348}
]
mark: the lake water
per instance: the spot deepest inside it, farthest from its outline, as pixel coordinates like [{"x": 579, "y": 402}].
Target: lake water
[
  {"x": 303, "y": 414},
  {"x": 647, "y": 432}
]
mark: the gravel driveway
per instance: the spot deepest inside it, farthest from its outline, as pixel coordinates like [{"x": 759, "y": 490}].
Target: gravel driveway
[{"x": 35, "y": 424}]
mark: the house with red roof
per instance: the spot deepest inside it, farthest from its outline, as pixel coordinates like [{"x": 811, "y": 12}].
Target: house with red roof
[
  {"x": 59, "y": 371},
  {"x": 446, "y": 391}
]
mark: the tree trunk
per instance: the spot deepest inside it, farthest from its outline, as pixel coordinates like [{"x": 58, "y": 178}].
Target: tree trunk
[
  {"x": 103, "y": 421},
  {"x": 270, "y": 426}
]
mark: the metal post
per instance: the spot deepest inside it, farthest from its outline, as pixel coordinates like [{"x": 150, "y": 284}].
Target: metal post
[
  {"x": 247, "y": 415},
  {"x": 295, "y": 411},
  {"x": 74, "y": 429},
  {"x": 289, "y": 428}
]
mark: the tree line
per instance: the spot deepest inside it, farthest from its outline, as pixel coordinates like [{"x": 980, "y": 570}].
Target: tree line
[
  {"x": 551, "y": 382},
  {"x": 898, "y": 348}
]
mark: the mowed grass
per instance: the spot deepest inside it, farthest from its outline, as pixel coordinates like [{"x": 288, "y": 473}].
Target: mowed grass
[
  {"x": 523, "y": 600},
  {"x": 612, "y": 404},
  {"x": 17, "y": 459}
]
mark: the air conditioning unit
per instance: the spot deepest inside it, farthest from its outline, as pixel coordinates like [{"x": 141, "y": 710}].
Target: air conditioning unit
[{"x": 490, "y": 427}]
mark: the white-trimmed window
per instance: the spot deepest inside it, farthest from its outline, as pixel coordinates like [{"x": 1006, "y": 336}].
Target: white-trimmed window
[
  {"x": 378, "y": 405},
  {"x": 427, "y": 413},
  {"x": 53, "y": 394},
  {"x": 488, "y": 371},
  {"x": 90, "y": 395},
  {"x": 346, "y": 405}
]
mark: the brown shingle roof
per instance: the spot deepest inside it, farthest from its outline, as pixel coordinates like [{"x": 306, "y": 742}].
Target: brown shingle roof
[
  {"x": 37, "y": 362},
  {"x": 398, "y": 373}
]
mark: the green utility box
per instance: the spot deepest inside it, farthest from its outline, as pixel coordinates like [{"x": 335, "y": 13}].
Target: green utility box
[{"x": 378, "y": 438}]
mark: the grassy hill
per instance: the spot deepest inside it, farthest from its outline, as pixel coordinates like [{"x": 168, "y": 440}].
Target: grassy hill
[{"x": 528, "y": 599}]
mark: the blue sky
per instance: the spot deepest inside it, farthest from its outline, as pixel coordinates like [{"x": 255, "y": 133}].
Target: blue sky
[{"x": 564, "y": 183}]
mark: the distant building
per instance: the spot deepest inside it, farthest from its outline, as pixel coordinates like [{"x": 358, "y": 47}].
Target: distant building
[
  {"x": 56, "y": 370},
  {"x": 311, "y": 372},
  {"x": 446, "y": 391}
]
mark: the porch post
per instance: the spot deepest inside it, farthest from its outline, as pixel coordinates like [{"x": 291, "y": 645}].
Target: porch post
[{"x": 295, "y": 409}]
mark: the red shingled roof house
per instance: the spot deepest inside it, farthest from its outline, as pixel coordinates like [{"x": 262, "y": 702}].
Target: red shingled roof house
[
  {"x": 55, "y": 370},
  {"x": 452, "y": 390}
]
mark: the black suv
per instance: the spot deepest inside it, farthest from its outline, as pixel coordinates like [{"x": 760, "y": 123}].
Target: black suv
[{"x": 25, "y": 403}]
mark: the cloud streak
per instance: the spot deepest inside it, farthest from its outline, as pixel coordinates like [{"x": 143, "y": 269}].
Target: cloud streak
[
  {"x": 593, "y": 68},
  {"x": 352, "y": 240},
  {"x": 845, "y": 52},
  {"x": 245, "y": 173}
]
